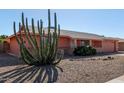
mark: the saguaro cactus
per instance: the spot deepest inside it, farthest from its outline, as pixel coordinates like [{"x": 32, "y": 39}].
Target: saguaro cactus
[{"x": 46, "y": 50}]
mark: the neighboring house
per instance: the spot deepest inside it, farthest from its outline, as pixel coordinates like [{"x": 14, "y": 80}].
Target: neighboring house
[{"x": 70, "y": 39}]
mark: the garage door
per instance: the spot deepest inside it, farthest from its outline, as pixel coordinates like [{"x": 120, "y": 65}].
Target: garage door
[
  {"x": 121, "y": 46},
  {"x": 108, "y": 46}
]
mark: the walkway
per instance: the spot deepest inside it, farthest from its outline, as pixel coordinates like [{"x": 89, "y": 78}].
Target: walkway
[{"x": 117, "y": 80}]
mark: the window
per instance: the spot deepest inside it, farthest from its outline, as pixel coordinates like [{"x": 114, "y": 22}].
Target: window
[
  {"x": 97, "y": 44},
  {"x": 84, "y": 42}
]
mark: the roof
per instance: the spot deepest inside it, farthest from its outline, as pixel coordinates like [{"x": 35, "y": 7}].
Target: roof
[
  {"x": 75, "y": 34},
  {"x": 120, "y": 39}
]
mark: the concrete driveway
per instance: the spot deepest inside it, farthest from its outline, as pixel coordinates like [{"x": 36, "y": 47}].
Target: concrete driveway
[{"x": 8, "y": 60}]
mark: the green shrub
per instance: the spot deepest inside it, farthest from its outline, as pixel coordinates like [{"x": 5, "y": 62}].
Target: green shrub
[{"x": 84, "y": 51}]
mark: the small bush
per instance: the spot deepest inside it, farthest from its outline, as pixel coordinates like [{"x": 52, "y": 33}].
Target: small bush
[{"x": 84, "y": 51}]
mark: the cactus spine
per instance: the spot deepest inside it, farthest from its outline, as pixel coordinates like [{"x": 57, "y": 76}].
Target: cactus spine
[{"x": 43, "y": 52}]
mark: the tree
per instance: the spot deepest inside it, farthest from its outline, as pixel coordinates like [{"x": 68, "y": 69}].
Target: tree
[{"x": 3, "y": 36}]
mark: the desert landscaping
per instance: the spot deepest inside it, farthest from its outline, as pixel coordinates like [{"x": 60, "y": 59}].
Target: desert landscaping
[{"x": 95, "y": 69}]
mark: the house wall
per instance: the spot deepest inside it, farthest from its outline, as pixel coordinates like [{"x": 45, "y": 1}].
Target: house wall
[
  {"x": 64, "y": 43},
  {"x": 82, "y": 41},
  {"x": 14, "y": 48},
  {"x": 121, "y": 46},
  {"x": 110, "y": 46},
  {"x": 94, "y": 43},
  {"x": 97, "y": 44},
  {"x": 68, "y": 44},
  {"x": 102, "y": 46},
  {"x": 116, "y": 46}
]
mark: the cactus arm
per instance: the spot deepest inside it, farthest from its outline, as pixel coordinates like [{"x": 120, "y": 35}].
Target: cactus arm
[
  {"x": 33, "y": 30},
  {"x": 58, "y": 30},
  {"x": 55, "y": 38},
  {"x": 20, "y": 42},
  {"x": 40, "y": 28},
  {"x": 26, "y": 34},
  {"x": 48, "y": 49},
  {"x": 35, "y": 40},
  {"x": 30, "y": 36},
  {"x": 48, "y": 36},
  {"x": 14, "y": 27},
  {"x": 26, "y": 55},
  {"x": 56, "y": 44},
  {"x": 61, "y": 54},
  {"x": 44, "y": 47},
  {"x": 49, "y": 24},
  {"x": 41, "y": 32}
]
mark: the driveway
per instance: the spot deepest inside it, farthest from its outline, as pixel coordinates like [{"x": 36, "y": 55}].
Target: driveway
[{"x": 8, "y": 60}]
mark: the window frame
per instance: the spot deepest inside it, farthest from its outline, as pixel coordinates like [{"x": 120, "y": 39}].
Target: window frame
[{"x": 97, "y": 43}]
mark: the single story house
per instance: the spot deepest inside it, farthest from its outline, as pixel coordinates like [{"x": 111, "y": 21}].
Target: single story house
[{"x": 69, "y": 40}]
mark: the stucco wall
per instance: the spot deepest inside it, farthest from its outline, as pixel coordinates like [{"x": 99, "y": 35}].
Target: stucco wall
[
  {"x": 14, "y": 48},
  {"x": 110, "y": 46},
  {"x": 121, "y": 46},
  {"x": 64, "y": 43}
]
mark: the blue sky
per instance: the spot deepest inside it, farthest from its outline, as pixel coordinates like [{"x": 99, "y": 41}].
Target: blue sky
[{"x": 102, "y": 22}]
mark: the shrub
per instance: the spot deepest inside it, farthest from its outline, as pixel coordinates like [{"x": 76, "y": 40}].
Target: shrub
[{"x": 84, "y": 51}]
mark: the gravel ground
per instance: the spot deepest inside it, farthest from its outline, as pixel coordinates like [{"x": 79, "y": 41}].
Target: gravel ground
[{"x": 96, "y": 69}]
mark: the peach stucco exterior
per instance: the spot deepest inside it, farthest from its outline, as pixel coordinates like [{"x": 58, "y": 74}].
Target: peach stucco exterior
[
  {"x": 106, "y": 45},
  {"x": 14, "y": 48},
  {"x": 121, "y": 46},
  {"x": 68, "y": 44},
  {"x": 68, "y": 41},
  {"x": 64, "y": 43}
]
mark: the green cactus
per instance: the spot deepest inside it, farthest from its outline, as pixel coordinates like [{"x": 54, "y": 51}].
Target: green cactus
[{"x": 44, "y": 52}]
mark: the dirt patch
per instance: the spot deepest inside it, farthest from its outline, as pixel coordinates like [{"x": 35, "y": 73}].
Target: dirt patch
[{"x": 88, "y": 70}]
